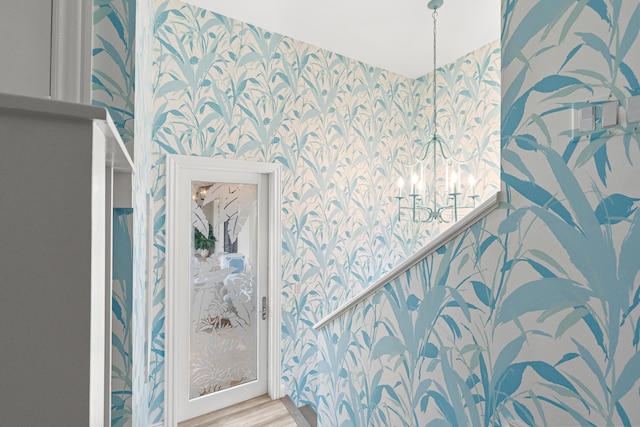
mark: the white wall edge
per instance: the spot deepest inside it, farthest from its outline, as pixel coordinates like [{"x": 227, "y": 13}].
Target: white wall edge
[{"x": 454, "y": 230}]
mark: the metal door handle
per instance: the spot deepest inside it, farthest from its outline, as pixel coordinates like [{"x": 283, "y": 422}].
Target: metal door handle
[{"x": 264, "y": 308}]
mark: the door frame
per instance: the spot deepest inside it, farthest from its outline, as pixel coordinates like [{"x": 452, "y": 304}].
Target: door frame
[{"x": 176, "y": 167}]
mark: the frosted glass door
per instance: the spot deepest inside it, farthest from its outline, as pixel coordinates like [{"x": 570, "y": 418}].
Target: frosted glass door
[{"x": 224, "y": 300}]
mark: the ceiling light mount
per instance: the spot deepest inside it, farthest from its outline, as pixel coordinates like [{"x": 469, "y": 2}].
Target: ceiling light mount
[{"x": 435, "y": 4}]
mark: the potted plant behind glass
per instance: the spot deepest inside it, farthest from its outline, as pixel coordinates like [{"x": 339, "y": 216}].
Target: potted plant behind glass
[{"x": 204, "y": 245}]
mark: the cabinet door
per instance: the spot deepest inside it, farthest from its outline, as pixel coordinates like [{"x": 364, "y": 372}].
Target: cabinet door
[{"x": 25, "y": 47}]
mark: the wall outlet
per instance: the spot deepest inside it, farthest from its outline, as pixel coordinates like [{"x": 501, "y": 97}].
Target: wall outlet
[
  {"x": 609, "y": 114},
  {"x": 587, "y": 117},
  {"x": 633, "y": 109}
]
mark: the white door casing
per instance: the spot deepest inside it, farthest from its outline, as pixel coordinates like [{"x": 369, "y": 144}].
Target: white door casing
[{"x": 181, "y": 171}]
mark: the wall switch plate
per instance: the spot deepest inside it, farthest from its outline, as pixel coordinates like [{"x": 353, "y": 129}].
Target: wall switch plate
[
  {"x": 587, "y": 119},
  {"x": 633, "y": 109},
  {"x": 609, "y": 114}
]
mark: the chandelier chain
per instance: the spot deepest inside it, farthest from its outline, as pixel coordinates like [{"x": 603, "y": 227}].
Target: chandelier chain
[{"x": 435, "y": 105}]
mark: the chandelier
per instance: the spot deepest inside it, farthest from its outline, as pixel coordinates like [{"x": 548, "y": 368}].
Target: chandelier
[{"x": 422, "y": 202}]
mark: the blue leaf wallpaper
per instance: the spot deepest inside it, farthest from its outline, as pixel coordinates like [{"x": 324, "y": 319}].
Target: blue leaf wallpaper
[
  {"x": 227, "y": 89},
  {"x": 113, "y": 78},
  {"x": 121, "y": 336},
  {"x": 112, "y": 68},
  {"x": 531, "y": 316}
]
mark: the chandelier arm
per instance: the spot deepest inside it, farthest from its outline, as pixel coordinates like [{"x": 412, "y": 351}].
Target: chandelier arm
[{"x": 471, "y": 157}]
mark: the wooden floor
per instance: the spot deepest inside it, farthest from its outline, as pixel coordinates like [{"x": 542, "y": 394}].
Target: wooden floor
[{"x": 261, "y": 411}]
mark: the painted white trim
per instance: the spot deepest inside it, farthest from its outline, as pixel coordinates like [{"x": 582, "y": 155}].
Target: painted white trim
[
  {"x": 171, "y": 367},
  {"x": 455, "y": 229},
  {"x": 71, "y": 35},
  {"x": 99, "y": 226},
  {"x": 275, "y": 283},
  {"x": 108, "y": 293},
  {"x": 175, "y": 166}
]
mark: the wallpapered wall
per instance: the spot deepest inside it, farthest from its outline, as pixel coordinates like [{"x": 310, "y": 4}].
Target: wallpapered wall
[
  {"x": 227, "y": 89},
  {"x": 113, "y": 63},
  {"x": 113, "y": 88},
  {"x": 533, "y": 314},
  {"x": 122, "y": 312}
]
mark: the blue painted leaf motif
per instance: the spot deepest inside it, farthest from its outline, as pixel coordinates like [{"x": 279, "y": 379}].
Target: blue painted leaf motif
[
  {"x": 571, "y": 148},
  {"x": 524, "y": 413},
  {"x": 524, "y": 142},
  {"x": 117, "y": 310},
  {"x": 632, "y": 79},
  {"x": 554, "y": 83},
  {"x": 543, "y": 294},
  {"x": 541, "y": 269},
  {"x": 552, "y": 375},
  {"x": 514, "y": 115},
  {"x": 600, "y": 157},
  {"x": 623, "y": 415},
  {"x": 512, "y": 222},
  {"x": 429, "y": 351},
  {"x": 630, "y": 35},
  {"x": 413, "y": 302},
  {"x": 566, "y": 358},
  {"x": 424, "y": 402},
  {"x": 538, "y": 195},
  {"x": 388, "y": 345},
  {"x": 628, "y": 377},
  {"x": 377, "y": 394},
  {"x": 596, "y": 331},
  {"x": 509, "y": 382},
  {"x": 483, "y": 292},
  {"x": 600, "y": 7},
  {"x": 571, "y": 54},
  {"x": 506, "y": 357},
  {"x": 596, "y": 43},
  {"x": 444, "y": 406},
  {"x": 615, "y": 208},
  {"x": 485, "y": 245},
  {"x": 455, "y": 329},
  {"x": 539, "y": 16},
  {"x": 472, "y": 381}
]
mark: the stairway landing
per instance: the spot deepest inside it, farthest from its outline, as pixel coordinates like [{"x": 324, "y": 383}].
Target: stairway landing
[{"x": 257, "y": 412}]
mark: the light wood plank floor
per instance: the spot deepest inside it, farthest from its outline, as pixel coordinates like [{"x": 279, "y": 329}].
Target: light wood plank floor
[{"x": 260, "y": 411}]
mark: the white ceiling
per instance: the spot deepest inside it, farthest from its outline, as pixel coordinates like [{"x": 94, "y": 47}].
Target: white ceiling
[{"x": 393, "y": 35}]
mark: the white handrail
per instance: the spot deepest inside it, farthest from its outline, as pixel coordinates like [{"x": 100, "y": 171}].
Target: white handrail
[{"x": 474, "y": 216}]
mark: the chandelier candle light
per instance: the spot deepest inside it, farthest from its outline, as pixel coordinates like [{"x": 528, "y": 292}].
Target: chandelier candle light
[{"x": 419, "y": 206}]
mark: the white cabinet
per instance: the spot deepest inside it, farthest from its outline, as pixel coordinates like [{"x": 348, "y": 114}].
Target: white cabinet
[
  {"x": 58, "y": 165},
  {"x": 45, "y": 48}
]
